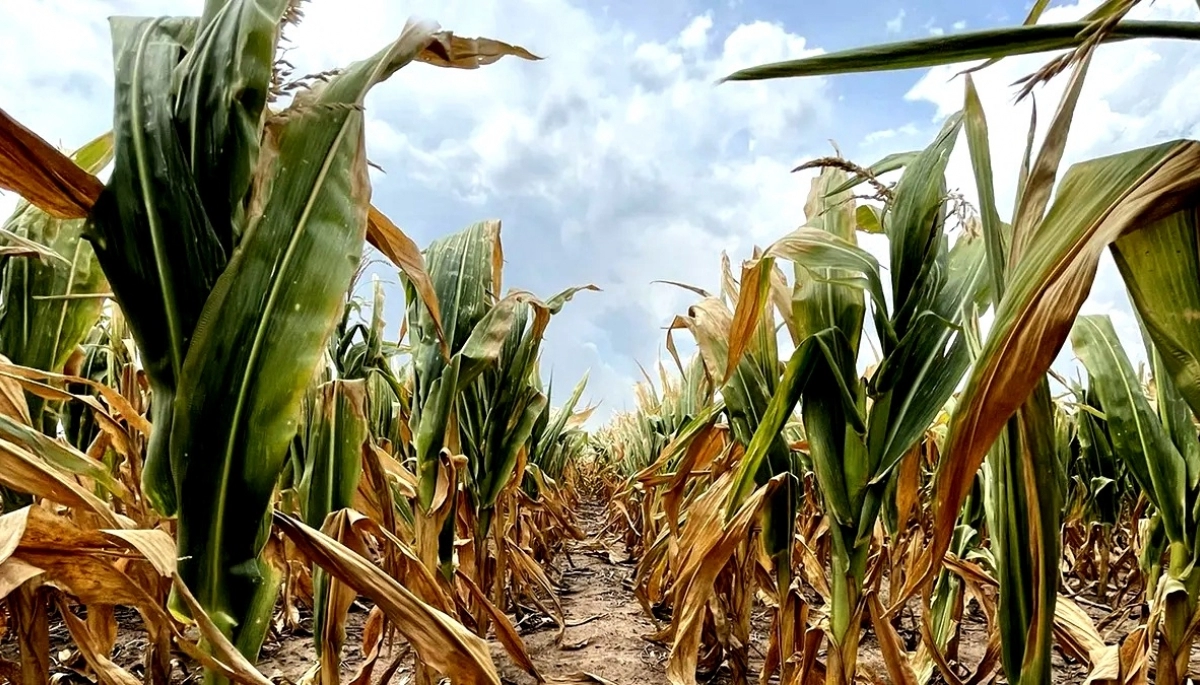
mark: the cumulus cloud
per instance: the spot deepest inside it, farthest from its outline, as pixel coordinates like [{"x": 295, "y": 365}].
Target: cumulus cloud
[{"x": 896, "y": 23}]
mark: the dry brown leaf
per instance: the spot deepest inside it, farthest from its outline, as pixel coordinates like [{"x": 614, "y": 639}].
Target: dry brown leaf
[
  {"x": 24, "y": 472},
  {"x": 90, "y": 579},
  {"x": 441, "y": 642},
  {"x": 12, "y": 529},
  {"x": 102, "y": 622},
  {"x": 702, "y": 450},
  {"x": 455, "y": 52},
  {"x": 12, "y": 398},
  {"x": 14, "y": 573},
  {"x": 338, "y": 600},
  {"x": 753, "y": 295},
  {"x": 707, "y": 543},
  {"x": 506, "y": 633},
  {"x": 45, "y": 177},
  {"x": 221, "y": 655},
  {"x": 1076, "y": 633},
  {"x": 27, "y": 608},
  {"x": 908, "y": 485},
  {"x": 528, "y": 568},
  {"x": 157, "y": 546},
  {"x": 1135, "y": 657},
  {"x": 408, "y": 567},
  {"x": 386, "y": 237},
  {"x": 892, "y": 647},
  {"x": 112, "y": 396},
  {"x": 372, "y": 644},
  {"x": 93, "y": 651}
]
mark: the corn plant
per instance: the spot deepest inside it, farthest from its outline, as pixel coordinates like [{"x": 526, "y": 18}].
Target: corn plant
[
  {"x": 229, "y": 234},
  {"x": 1162, "y": 452},
  {"x": 1099, "y": 492},
  {"x": 556, "y": 439},
  {"x": 859, "y": 429},
  {"x": 337, "y": 435},
  {"x": 497, "y": 413},
  {"x": 1043, "y": 266}
]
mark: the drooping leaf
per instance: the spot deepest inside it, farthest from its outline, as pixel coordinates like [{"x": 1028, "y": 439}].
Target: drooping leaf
[{"x": 1096, "y": 203}]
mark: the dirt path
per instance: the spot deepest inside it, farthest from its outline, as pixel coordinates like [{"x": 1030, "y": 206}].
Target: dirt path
[{"x": 605, "y": 622}]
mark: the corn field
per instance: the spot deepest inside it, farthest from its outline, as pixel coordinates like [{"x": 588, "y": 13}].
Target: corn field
[{"x": 861, "y": 469}]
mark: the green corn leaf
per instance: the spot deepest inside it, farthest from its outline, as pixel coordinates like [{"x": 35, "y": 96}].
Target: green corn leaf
[
  {"x": 262, "y": 334},
  {"x": 813, "y": 351},
  {"x": 916, "y": 222},
  {"x": 923, "y": 371},
  {"x": 962, "y": 47},
  {"x": 149, "y": 228},
  {"x": 831, "y": 406},
  {"x": 868, "y": 219},
  {"x": 981, "y": 164},
  {"x": 226, "y": 79},
  {"x": 1139, "y": 438},
  {"x": 1156, "y": 264},
  {"x": 338, "y": 434},
  {"x": 555, "y": 422}
]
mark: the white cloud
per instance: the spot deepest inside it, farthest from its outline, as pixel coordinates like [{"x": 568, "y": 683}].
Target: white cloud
[
  {"x": 960, "y": 25},
  {"x": 906, "y": 131},
  {"x": 896, "y": 23},
  {"x": 695, "y": 36}
]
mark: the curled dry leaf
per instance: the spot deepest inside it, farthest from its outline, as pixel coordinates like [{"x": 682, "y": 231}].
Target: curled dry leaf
[
  {"x": 93, "y": 650},
  {"x": 12, "y": 399},
  {"x": 894, "y": 656},
  {"x": 455, "y": 52},
  {"x": 386, "y": 237},
  {"x": 506, "y": 633},
  {"x": 441, "y": 642},
  {"x": 23, "y": 472},
  {"x": 119, "y": 404}
]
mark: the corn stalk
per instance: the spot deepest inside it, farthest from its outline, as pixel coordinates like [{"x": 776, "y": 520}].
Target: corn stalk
[{"x": 859, "y": 429}]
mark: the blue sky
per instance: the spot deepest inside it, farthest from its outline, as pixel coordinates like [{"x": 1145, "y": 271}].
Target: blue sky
[{"x": 616, "y": 160}]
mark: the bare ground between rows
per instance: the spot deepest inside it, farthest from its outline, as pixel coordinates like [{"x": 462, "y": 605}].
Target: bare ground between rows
[{"x": 605, "y": 634}]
